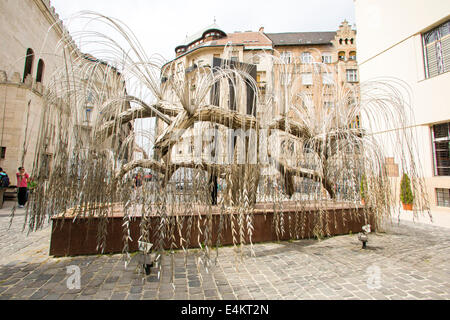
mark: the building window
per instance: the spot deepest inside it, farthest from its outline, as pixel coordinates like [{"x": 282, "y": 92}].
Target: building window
[
  {"x": 352, "y": 75},
  {"x": 327, "y": 78},
  {"x": 260, "y": 79},
  {"x": 441, "y": 149},
  {"x": 235, "y": 56},
  {"x": 40, "y": 71},
  {"x": 443, "y": 197},
  {"x": 436, "y": 50},
  {"x": 28, "y": 63},
  {"x": 2, "y": 152},
  {"x": 328, "y": 104},
  {"x": 179, "y": 67},
  {"x": 341, "y": 55},
  {"x": 352, "y": 55},
  {"x": 307, "y": 57},
  {"x": 90, "y": 97},
  {"x": 88, "y": 115},
  {"x": 327, "y": 58},
  {"x": 286, "y": 56},
  {"x": 307, "y": 79},
  {"x": 355, "y": 124}
]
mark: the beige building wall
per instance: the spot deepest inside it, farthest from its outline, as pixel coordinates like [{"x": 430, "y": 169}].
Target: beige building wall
[
  {"x": 203, "y": 58},
  {"x": 390, "y": 45},
  {"x": 33, "y": 24},
  {"x": 343, "y": 57},
  {"x": 239, "y": 46},
  {"x": 25, "y": 24},
  {"x": 20, "y": 106}
]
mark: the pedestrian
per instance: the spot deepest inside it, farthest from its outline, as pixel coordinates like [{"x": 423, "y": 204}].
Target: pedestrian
[
  {"x": 138, "y": 181},
  {"x": 4, "y": 183},
  {"x": 22, "y": 184},
  {"x": 137, "y": 185}
]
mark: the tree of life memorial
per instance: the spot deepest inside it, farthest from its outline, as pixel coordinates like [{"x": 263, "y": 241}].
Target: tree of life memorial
[{"x": 222, "y": 162}]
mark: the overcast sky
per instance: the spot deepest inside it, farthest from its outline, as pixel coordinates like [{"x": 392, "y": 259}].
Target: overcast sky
[{"x": 161, "y": 25}]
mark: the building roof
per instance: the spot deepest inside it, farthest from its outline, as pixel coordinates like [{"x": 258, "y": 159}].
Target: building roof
[
  {"x": 199, "y": 34},
  {"x": 301, "y": 38},
  {"x": 248, "y": 39}
]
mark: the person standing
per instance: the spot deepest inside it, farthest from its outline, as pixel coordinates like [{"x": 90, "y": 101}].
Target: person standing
[
  {"x": 22, "y": 184},
  {"x": 138, "y": 186},
  {"x": 138, "y": 181}
]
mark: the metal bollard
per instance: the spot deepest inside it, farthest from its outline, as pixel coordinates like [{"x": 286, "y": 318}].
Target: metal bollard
[
  {"x": 145, "y": 250},
  {"x": 363, "y": 236}
]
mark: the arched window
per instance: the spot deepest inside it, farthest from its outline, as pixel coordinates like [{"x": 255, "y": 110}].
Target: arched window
[
  {"x": 351, "y": 40},
  {"x": 28, "y": 63},
  {"x": 352, "y": 55},
  {"x": 340, "y": 41},
  {"x": 40, "y": 70},
  {"x": 341, "y": 55},
  {"x": 346, "y": 41}
]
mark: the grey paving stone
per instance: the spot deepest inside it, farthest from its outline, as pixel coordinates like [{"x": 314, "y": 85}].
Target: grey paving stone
[
  {"x": 52, "y": 296},
  {"x": 150, "y": 295},
  {"x": 134, "y": 297},
  {"x": 119, "y": 296},
  {"x": 89, "y": 291},
  {"x": 40, "y": 294},
  {"x": 334, "y": 268}
]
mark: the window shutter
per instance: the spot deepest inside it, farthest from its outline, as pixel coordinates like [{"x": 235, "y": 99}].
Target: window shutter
[
  {"x": 431, "y": 60},
  {"x": 446, "y": 52}
]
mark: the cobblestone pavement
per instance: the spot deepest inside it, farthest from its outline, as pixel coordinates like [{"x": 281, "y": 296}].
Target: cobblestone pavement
[{"x": 410, "y": 261}]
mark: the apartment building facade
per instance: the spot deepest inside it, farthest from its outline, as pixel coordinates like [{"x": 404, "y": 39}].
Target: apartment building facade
[{"x": 335, "y": 51}]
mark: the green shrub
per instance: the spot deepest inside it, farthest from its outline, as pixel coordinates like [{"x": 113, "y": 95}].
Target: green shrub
[
  {"x": 363, "y": 187},
  {"x": 406, "y": 195},
  {"x": 32, "y": 185}
]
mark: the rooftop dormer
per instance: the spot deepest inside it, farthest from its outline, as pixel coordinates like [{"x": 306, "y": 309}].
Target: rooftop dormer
[{"x": 206, "y": 35}]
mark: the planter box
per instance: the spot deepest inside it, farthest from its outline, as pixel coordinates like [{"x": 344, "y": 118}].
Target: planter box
[
  {"x": 79, "y": 237},
  {"x": 407, "y": 207}
]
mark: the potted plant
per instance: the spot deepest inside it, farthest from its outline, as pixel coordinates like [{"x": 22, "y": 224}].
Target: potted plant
[
  {"x": 406, "y": 195},
  {"x": 363, "y": 189}
]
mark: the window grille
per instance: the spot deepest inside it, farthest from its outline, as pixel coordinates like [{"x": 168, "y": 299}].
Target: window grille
[
  {"x": 352, "y": 75},
  {"x": 306, "y": 57},
  {"x": 441, "y": 149},
  {"x": 436, "y": 50},
  {"x": 443, "y": 197}
]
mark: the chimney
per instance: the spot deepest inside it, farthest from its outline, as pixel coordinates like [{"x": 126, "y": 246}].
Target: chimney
[{"x": 261, "y": 29}]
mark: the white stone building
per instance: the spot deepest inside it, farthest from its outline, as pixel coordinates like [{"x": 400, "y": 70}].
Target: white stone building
[{"x": 410, "y": 41}]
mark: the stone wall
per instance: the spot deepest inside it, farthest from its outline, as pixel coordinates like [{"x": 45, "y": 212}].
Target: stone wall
[{"x": 25, "y": 24}]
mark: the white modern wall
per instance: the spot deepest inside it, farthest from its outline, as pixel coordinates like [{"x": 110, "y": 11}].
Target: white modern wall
[{"x": 389, "y": 44}]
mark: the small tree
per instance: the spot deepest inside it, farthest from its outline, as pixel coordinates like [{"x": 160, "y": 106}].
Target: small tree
[{"x": 406, "y": 195}]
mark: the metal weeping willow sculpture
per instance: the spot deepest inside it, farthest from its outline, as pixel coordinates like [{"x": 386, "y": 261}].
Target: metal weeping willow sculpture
[{"x": 287, "y": 153}]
